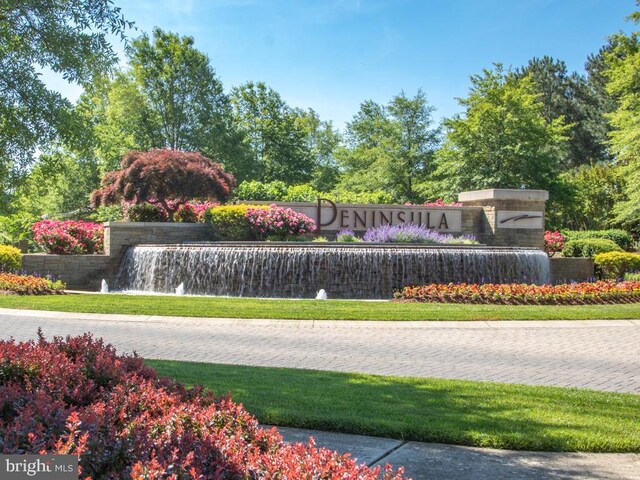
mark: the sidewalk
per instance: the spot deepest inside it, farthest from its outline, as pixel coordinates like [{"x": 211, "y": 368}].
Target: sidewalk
[{"x": 434, "y": 461}]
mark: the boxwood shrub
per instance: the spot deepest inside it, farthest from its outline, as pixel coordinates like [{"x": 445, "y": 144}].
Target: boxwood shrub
[
  {"x": 589, "y": 247},
  {"x": 620, "y": 237},
  {"x": 616, "y": 264},
  {"x": 10, "y": 259}
]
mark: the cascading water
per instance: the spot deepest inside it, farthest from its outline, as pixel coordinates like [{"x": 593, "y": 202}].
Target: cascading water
[{"x": 299, "y": 271}]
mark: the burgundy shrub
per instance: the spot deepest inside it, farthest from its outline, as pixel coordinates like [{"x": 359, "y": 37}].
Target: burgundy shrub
[
  {"x": 77, "y": 396},
  {"x": 163, "y": 175}
]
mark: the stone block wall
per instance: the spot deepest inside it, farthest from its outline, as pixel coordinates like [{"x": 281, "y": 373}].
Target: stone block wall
[
  {"x": 565, "y": 270},
  {"x": 79, "y": 272},
  {"x": 85, "y": 272},
  {"x": 118, "y": 236}
]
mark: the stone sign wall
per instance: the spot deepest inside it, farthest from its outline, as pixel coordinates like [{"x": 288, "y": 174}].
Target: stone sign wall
[{"x": 501, "y": 217}]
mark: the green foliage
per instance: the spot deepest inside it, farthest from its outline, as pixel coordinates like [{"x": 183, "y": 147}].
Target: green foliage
[
  {"x": 594, "y": 190},
  {"x": 617, "y": 264},
  {"x": 301, "y": 193},
  {"x": 623, "y": 62},
  {"x": 571, "y": 96},
  {"x": 390, "y": 147},
  {"x": 347, "y": 237},
  {"x": 109, "y": 213},
  {"x": 68, "y": 37},
  {"x": 230, "y": 223},
  {"x": 632, "y": 277},
  {"x": 169, "y": 97},
  {"x": 10, "y": 259},
  {"x": 144, "y": 212},
  {"x": 322, "y": 142},
  {"x": 502, "y": 140},
  {"x": 589, "y": 247},
  {"x": 278, "y": 145},
  {"x": 261, "y": 191},
  {"x": 15, "y": 230},
  {"x": 345, "y": 196},
  {"x": 620, "y": 237},
  {"x": 278, "y": 191}
]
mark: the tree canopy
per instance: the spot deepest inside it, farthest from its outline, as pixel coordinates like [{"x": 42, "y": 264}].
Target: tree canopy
[
  {"x": 391, "y": 147},
  {"x": 165, "y": 177},
  {"x": 502, "y": 140},
  {"x": 67, "y": 37}
]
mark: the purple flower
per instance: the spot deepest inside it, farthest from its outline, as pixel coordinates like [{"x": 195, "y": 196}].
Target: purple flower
[{"x": 412, "y": 233}]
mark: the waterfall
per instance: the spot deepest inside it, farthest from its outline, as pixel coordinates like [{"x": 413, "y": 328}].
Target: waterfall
[{"x": 299, "y": 270}]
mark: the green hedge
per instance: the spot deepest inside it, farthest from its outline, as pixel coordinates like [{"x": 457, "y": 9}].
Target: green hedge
[
  {"x": 617, "y": 264},
  {"x": 620, "y": 237},
  {"x": 10, "y": 259},
  {"x": 589, "y": 247},
  {"x": 230, "y": 223}
]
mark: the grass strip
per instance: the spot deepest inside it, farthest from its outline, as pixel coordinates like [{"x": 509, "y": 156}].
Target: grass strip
[
  {"x": 310, "y": 309},
  {"x": 479, "y": 414}
]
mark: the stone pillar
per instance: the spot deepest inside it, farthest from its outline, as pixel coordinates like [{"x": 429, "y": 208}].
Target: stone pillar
[{"x": 511, "y": 217}]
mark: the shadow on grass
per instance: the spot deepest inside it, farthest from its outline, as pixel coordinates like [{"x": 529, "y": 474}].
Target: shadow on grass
[{"x": 429, "y": 410}]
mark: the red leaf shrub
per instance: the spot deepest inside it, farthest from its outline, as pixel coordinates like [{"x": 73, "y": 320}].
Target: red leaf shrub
[
  {"x": 163, "y": 175},
  {"x": 77, "y": 396},
  {"x": 553, "y": 242},
  {"x": 523, "y": 294},
  {"x": 14, "y": 284},
  {"x": 69, "y": 236}
]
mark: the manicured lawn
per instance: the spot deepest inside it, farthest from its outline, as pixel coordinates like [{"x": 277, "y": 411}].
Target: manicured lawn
[
  {"x": 310, "y": 309},
  {"x": 450, "y": 411}
]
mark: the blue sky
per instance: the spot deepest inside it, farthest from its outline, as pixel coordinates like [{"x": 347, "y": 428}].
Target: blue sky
[{"x": 331, "y": 55}]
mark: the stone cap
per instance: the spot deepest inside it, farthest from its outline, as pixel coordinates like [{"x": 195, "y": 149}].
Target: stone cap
[{"x": 504, "y": 194}]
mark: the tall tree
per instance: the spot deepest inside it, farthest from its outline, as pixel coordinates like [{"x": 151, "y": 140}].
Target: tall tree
[
  {"x": 579, "y": 102},
  {"x": 68, "y": 37},
  {"x": 169, "y": 98},
  {"x": 391, "y": 147},
  {"x": 322, "y": 142},
  {"x": 273, "y": 134},
  {"x": 623, "y": 62},
  {"x": 502, "y": 140}
]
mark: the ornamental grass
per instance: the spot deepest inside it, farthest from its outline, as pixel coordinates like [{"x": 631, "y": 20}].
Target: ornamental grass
[
  {"x": 77, "y": 396},
  {"x": 586, "y": 293}
]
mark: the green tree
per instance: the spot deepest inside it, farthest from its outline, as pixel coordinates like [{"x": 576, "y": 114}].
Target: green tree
[
  {"x": 322, "y": 142},
  {"x": 594, "y": 192},
  {"x": 624, "y": 84},
  {"x": 578, "y": 101},
  {"x": 390, "y": 147},
  {"x": 170, "y": 97},
  {"x": 273, "y": 133},
  {"x": 502, "y": 140},
  {"x": 68, "y": 37}
]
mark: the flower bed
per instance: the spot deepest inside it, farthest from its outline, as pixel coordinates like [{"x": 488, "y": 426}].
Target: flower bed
[
  {"x": 524, "y": 294},
  {"x": 69, "y": 236},
  {"x": 412, "y": 233},
  {"x": 13, "y": 284},
  {"x": 76, "y": 396}
]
